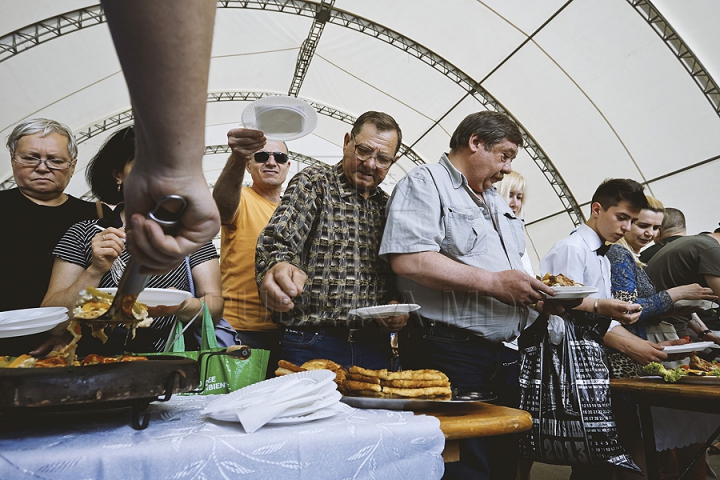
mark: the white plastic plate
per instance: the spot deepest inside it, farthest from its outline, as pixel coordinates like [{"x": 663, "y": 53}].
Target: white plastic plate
[
  {"x": 153, "y": 297},
  {"x": 568, "y": 293},
  {"x": 22, "y": 330},
  {"x": 29, "y": 316},
  {"x": 688, "y": 347},
  {"x": 384, "y": 311},
  {"x": 704, "y": 304},
  {"x": 280, "y": 117}
]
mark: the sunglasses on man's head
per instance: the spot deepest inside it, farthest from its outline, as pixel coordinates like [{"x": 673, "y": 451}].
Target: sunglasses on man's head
[{"x": 262, "y": 156}]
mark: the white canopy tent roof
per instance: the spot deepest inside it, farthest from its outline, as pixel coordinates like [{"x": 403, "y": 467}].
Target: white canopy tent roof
[{"x": 602, "y": 88}]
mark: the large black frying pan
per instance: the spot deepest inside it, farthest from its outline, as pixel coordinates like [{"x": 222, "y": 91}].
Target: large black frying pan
[{"x": 131, "y": 384}]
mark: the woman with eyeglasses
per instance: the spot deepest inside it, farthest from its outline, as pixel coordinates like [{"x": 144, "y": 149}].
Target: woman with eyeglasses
[{"x": 92, "y": 254}]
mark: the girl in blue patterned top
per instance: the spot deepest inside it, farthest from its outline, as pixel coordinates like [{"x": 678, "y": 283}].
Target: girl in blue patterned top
[{"x": 631, "y": 283}]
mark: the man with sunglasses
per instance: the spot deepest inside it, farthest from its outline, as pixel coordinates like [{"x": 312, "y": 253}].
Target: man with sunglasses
[
  {"x": 244, "y": 212},
  {"x": 43, "y": 155},
  {"x": 318, "y": 257}
]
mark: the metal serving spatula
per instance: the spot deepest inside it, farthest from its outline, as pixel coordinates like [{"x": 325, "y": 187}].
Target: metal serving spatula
[{"x": 167, "y": 214}]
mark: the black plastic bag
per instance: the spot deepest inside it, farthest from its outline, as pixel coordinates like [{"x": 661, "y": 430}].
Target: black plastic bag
[{"x": 566, "y": 389}]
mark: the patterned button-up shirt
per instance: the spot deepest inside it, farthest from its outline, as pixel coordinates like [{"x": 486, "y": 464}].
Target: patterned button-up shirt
[{"x": 324, "y": 226}]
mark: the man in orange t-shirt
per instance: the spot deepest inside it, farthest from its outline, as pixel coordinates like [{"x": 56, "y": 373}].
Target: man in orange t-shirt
[{"x": 243, "y": 214}]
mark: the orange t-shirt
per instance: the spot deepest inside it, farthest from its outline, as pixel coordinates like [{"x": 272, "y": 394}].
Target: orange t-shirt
[{"x": 243, "y": 308}]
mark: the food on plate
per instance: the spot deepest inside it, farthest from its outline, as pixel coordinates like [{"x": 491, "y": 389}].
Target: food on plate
[
  {"x": 559, "y": 280},
  {"x": 58, "y": 360},
  {"x": 362, "y": 381},
  {"x": 444, "y": 392},
  {"x": 697, "y": 363},
  {"x": 407, "y": 383},
  {"x": 362, "y": 387},
  {"x": 356, "y": 377},
  {"x": 93, "y": 303},
  {"x": 286, "y": 368},
  {"x": 670, "y": 375},
  {"x": 402, "y": 375},
  {"x": 696, "y": 366}
]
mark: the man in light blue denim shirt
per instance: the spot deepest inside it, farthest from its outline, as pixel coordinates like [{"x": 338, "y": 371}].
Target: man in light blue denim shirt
[{"x": 457, "y": 248}]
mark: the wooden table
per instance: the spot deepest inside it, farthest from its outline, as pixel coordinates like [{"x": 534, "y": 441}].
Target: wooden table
[
  {"x": 477, "y": 420},
  {"x": 648, "y": 392}
]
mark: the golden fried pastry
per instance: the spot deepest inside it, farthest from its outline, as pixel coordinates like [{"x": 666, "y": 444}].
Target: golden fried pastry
[
  {"x": 419, "y": 392},
  {"x": 290, "y": 366},
  {"x": 363, "y": 378},
  {"x": 414, "y": 383},
  {"x": 416, "y": 375},
  {"x": 368, "y": 373}
]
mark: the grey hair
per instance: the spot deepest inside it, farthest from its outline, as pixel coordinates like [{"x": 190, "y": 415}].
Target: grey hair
[{"x": 44, "y": 126}]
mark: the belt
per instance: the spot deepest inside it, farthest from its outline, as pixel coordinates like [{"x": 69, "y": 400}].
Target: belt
[{"x": 350, "y": 335}]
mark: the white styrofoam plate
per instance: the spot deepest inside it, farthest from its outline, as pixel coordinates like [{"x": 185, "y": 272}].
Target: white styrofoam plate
[
  {"x": 280, "y": 117},
  {"x": 28, "y": 316},
  {"x": 311, "y": 380},
  {"x": 687, "y": 348},
  {"x": 704, "y": 304},
  {"x": 153, "y": 297},
  {"x": 22, "y": 330},
  {"x": 568, "y": 293},
  {"x": 384, "y": 311}
]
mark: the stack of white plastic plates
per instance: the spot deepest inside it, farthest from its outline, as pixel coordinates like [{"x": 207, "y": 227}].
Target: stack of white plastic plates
[
  {"x": 295, "y": 398},
  {"x": 17, "y": 323}
]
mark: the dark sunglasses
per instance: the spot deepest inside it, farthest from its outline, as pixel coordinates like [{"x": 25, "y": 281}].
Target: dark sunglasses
[{"x": 262, "y": 156}]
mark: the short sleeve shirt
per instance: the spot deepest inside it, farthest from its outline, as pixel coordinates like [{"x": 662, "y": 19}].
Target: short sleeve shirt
[
  {"x": 686, "y": 260},
  {"x": 433, "y": 209}
]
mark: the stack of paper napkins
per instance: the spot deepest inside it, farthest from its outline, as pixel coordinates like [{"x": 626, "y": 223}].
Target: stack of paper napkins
[{"x": 295, "y": 398}]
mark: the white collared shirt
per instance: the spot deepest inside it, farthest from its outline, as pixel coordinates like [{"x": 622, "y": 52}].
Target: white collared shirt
[{"x": 575, "y": 257}]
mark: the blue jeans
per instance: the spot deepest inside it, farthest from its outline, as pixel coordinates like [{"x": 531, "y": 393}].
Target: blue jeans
[
  {"x": 300, "y": 345},
  {"x": 472, "y": 365}
]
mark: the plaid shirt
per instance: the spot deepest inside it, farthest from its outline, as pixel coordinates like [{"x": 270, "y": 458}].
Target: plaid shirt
[{"x": 326, "y": 228}]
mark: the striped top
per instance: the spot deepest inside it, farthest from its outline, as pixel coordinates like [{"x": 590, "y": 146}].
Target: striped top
[{"x": 75, "y": 247}]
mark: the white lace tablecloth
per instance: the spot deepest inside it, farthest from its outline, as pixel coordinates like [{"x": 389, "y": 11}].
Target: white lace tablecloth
[{"x": 180, "y": 444}]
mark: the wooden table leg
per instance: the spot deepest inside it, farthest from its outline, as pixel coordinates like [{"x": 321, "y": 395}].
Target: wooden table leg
[
  {"x": 648, "y": 432},
  {"x": 451, "y": 452}
]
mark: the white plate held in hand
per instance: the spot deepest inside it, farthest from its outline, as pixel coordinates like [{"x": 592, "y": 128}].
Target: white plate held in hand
[
  {"x": 688, "y": 347},
  {"x": 568, "y": 293},
  {"x": 704, "y": 304},
  {"x": 384, "y": 311},
  {"x": 280, "y": 117}
]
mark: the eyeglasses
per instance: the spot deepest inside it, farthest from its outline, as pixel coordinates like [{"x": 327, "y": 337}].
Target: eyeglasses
[
  {"x": 262, "y": 156},
  {"x": 51, "y": 163},
  {"x": 365, "y": 153}
]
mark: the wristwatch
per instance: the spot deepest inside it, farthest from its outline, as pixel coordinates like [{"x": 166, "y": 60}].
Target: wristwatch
[{"x": 705, "y": 332}]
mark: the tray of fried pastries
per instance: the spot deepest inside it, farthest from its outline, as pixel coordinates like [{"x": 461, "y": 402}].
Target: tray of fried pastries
[{"x": 384, "y": 389}]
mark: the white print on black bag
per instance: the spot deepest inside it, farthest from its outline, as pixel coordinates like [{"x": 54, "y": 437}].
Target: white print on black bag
[{"x": 566, "y": 389}]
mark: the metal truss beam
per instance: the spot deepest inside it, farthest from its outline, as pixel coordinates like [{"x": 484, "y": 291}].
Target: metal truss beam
[
  {"x": 49, "y": 29},
  {"x": 361, "y": 25},
  {"x": 679, "y": 48},
  {"x": 320, "y": 108},
  {"x": 307, "y": 49}
]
